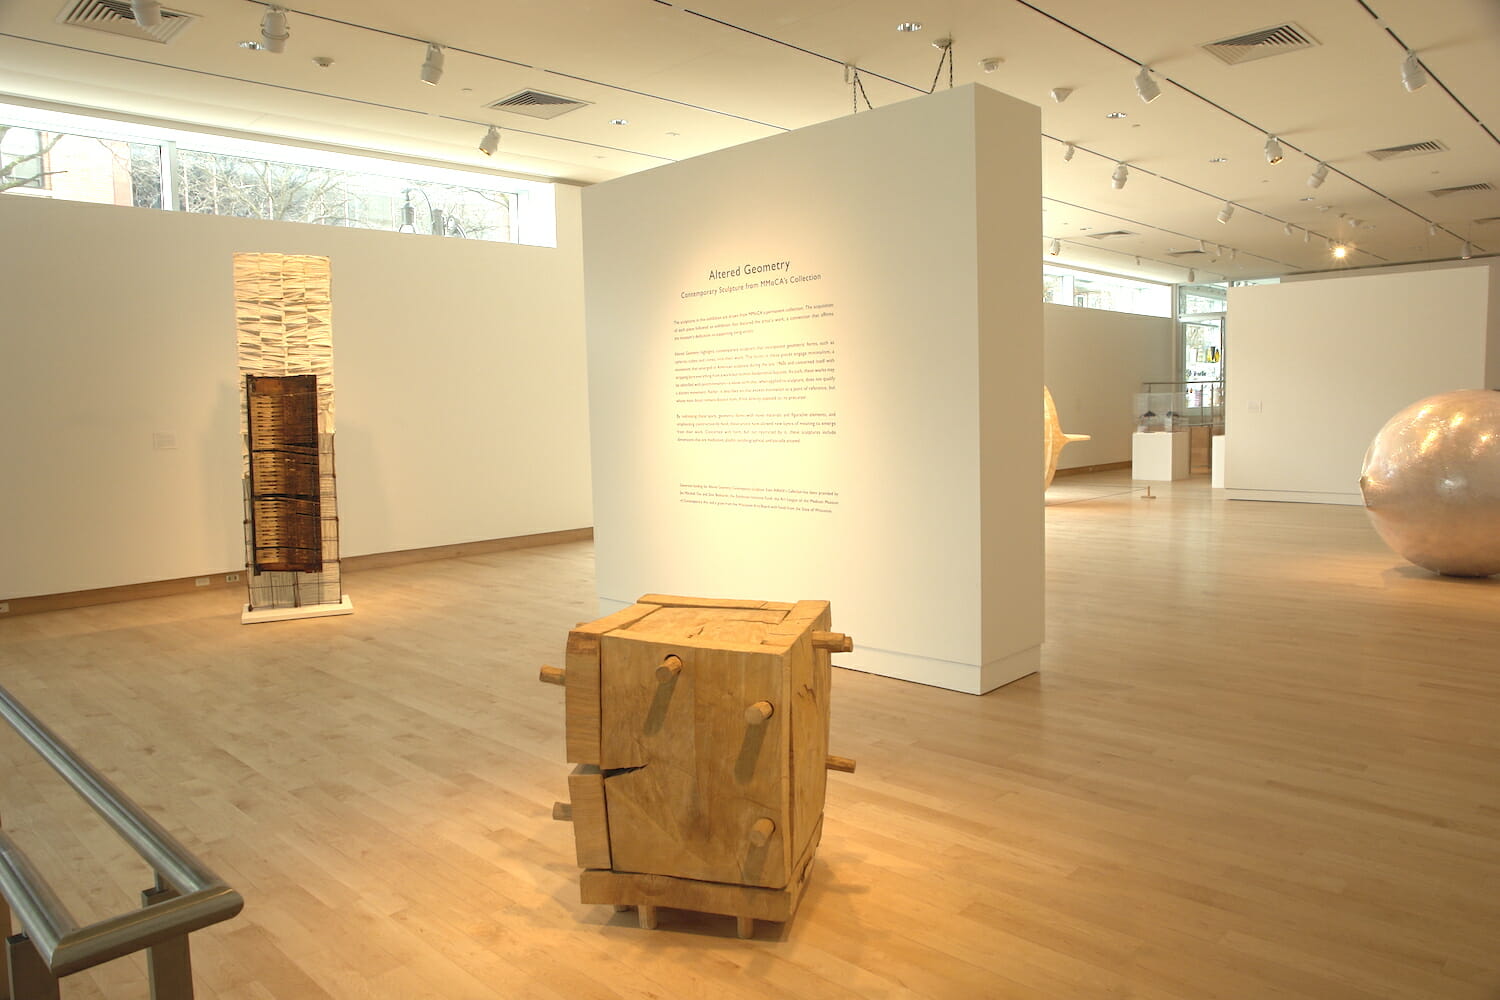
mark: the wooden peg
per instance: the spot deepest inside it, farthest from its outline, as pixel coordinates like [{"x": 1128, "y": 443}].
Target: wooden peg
[
  {"x": 562, "y": 811},
  {"x": 669, "y": 669},
  {"x": 834, "y": 642},
  {"x": 760, "y": 832},
  {"x": 759, "y": 712},
  {"x": 745, "y": 926},
  {"x": 845, "y": 764},
  {"x": 553, "y": 675},
  {"x": 647, "y": 917}
]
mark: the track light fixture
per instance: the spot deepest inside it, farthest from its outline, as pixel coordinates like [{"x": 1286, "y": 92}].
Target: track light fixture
[
  {"x": 1413, "y": 73},
  {"x": 147, "y": 13},
  {"x": 490, "y": 142},
  {"x": 1146, "y": 87},
  {"x": 274, "y": 31},
  {"x": 1468, "y": 251},
  {"x": 1225, "y": 213},
  {"x": 1432, "y": 229},
  {"x": 1202, "y": 247},
  {"x": 1287, "y": 228},
  {"x": 432, "y": 66},
  {"x": 1307, "y": 236},
  {"x": 1055, "y": 248},
  {"x": 1068, "y": 150},
  {"x": 1119, "y": 177},
  {"x": 1318, "y": 176},
  {"x": 1192, "y": 275},
  {"x": 1274, "y": 152}
]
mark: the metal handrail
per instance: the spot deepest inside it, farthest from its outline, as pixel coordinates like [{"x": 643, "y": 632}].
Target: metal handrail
[{"x": 199, "y": 897}]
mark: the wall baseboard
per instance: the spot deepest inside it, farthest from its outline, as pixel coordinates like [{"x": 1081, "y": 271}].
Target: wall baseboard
[
  {"x": 219, "y": 581},
  {"x": 381, "y": 560},
  {"x": 1081, "y": 469}
]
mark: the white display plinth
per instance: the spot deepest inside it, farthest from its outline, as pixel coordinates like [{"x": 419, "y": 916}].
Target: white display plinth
[
  {"x": 1159, "y": 457},
  {"x": 792, "y": 400},
  {"x": 343, "y": 607},
  {"x": 1217, "y": 450}
]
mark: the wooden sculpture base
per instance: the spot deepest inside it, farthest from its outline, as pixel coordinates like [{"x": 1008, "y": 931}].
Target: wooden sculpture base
[{"x": 746, "y": 904}]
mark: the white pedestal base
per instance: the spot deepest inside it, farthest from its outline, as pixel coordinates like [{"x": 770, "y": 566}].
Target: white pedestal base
[
  {"x": 1216, "y": 449},
  {"x": 343, "y": 607},
  {"x": 1159, "y": 457}
]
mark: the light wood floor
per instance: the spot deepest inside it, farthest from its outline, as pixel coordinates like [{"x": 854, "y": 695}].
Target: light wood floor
[{"x": 1262, "y": 760}]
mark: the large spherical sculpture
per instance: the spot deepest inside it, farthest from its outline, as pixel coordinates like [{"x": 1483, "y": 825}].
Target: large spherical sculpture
[{"x": 1431, "y": 482}]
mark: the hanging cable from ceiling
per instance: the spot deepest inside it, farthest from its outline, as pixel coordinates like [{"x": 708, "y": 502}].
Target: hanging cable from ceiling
[
  {"x": 856, "y": 87},
  {"x": 946, "y": 46}
]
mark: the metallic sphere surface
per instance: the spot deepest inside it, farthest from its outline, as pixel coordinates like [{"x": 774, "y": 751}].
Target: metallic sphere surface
[{"x": 1431, "y": 482}]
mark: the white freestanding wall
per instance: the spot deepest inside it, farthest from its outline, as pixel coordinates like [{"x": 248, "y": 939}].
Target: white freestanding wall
[
  {"x": 815, "y": 369},
  {"x": 1318, "y": 366},
  {"x": 462, "y": 409},
  {"x": 1096, "y": 361}
]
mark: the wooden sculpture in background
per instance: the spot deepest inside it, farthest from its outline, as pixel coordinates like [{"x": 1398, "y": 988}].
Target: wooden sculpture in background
[
  {"x": 700, "y": 731},
  {"x": 1054, "y": 440},
  {"x": 283, "y": 315}
]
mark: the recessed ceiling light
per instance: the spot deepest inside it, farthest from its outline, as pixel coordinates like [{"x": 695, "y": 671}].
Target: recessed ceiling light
[
  {"x": 1117, "y": 114},
  {"x": 1308, "y": 198},
  {"x": 909, "y": 26},
  {"x": 1219, "y": 159},
  {"x": 618, "y": 121},
  {"x": 674, "y": 133}
]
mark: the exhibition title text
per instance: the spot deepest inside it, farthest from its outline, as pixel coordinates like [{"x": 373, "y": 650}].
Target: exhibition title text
[{"x": 780, "y": 265}]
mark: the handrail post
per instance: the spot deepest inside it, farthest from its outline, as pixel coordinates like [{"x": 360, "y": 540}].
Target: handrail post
[
  {"x": 169, "y": 963},
  {"x": 30, "y": 979},
  {"x": 4, "y": 952}
]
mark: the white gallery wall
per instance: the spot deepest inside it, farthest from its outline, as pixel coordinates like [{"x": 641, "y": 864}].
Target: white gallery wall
[
  {"x": 1316, "y": 368},
  {"x": 1096, "y": 361},
  {"x": 802, "y": 388},
  {"x": 458, "y": 366}
]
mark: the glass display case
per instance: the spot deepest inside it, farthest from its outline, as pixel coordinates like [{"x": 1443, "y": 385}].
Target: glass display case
[{"x": 1160, "y": 411}]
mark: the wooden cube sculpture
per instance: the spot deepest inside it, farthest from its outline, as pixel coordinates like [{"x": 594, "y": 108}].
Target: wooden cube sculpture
[{"x": 700, "y": 731}]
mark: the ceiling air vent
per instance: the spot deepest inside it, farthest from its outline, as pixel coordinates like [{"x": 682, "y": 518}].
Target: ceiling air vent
[
  {"x": 1462, "y": 189},
  {"x": 1187, "y": 253},
  {"x": 1261, "y": 44},
  {"x": 1112, "y": 234},
  {"x": 1410, "y": 149},
  {"x": 536, "y": 104},
  {"x": 114, "y": 16}
]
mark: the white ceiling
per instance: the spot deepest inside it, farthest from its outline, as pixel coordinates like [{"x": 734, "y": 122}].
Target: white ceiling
[{"x": 693, "y": 77}]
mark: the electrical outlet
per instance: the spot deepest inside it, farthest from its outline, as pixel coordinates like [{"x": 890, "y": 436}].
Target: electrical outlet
[
  {"x": 231, "y": 578},
  {"x": 4, "y": 607},
  {"x": 202, "y": 581}
]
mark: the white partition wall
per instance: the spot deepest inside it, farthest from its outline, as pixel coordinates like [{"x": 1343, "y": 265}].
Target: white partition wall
[
  {"x": 1096, "y": 361},
  {"x": 1319, "y": 366},
  {"x": 801, "y": 387}
]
